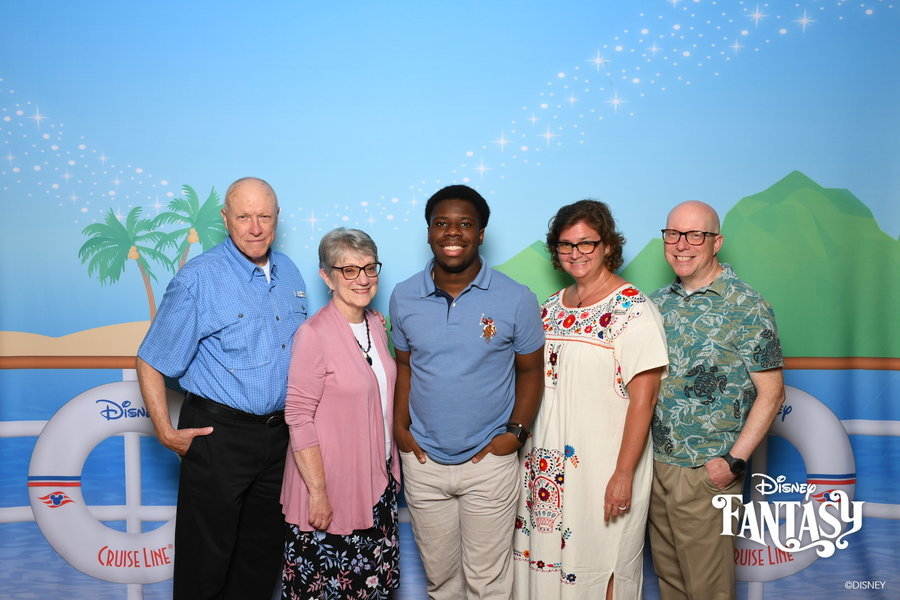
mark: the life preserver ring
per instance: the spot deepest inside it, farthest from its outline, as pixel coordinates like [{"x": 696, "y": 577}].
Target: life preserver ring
[
  {"x": 54, "y": 487},
  {"x": 820, "y": 438}
]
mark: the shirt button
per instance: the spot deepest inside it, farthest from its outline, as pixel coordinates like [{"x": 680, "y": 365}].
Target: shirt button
[
  {"x": 283, "y": 346},
  {"x": 277, "y": 318},
  {"x": 240, "y": 315},
  {"x": 454, "y": 304}
]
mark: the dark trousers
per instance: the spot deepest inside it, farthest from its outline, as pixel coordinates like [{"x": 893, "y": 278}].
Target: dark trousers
[{"x": 229, "y": 529}]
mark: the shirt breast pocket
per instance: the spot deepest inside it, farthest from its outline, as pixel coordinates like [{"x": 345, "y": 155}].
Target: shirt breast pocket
[
  {"x": 298, "y": 311},
  {"x": 246, "y": 342}
]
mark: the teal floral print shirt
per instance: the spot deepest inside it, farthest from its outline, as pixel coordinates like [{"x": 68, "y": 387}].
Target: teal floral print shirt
[{"x": 716, "y": 337}]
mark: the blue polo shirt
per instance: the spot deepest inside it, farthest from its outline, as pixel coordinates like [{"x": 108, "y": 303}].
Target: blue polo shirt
[
  {"x": 462, "y": 357},
  {"x": 225, "y": 332}
]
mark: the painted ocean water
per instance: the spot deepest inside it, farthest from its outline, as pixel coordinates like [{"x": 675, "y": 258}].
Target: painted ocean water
[{"x": 32, "y": 569}]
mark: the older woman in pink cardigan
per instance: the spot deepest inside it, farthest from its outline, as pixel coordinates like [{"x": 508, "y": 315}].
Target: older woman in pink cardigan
[{"x": 342, "y": 470}]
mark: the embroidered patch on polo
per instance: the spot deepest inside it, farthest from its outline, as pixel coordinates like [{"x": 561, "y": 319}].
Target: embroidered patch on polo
[{"x": 488, "y": 329}]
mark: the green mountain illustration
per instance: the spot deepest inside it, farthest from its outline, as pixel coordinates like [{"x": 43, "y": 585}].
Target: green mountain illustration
[
  {"x": 816, "y": 254},
  {"x": 533, "y": 267}
]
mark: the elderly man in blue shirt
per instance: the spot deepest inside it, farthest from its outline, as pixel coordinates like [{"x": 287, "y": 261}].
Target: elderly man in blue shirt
[
  {"x": 469, "y": 343},
  {"x": 224, "y": 329}
]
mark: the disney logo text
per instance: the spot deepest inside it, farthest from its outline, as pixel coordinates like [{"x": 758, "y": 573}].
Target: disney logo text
[
  {"x": 768, "y": 485},
  {"x": 112, "y": 410}
]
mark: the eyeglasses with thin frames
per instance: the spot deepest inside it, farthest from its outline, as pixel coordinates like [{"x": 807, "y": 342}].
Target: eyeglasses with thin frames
[
  {"x": 694, "y": 237},
  {"x": 351, "y": 272}
]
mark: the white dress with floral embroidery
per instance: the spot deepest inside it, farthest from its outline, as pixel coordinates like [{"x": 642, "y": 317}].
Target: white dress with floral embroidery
[{"x": 562, "y": 547}]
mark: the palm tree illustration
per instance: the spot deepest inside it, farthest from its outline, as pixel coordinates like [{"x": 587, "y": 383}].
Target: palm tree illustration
[
  {"x": 202, "y": 223},
  {"x": 112, "y": 243}
]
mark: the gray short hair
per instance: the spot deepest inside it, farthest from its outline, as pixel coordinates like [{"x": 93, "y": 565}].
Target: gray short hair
[{"x": 338, "y": 241}]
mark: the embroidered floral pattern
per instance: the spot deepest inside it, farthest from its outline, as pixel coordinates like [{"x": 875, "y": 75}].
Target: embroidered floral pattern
[
  {"x": 551, "y": 373},
  {"x": 619, "y": 382},
  {"x": 600, "y": 323},
  {"x": 589, "y": 354},
  {"x": 545, "y": 473}
]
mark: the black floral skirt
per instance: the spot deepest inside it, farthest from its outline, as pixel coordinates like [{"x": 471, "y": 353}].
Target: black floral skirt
[{"x": 362, "y": 565}]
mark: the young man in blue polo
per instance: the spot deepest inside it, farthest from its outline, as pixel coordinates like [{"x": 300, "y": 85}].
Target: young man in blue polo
[{"x": 469, "y": 344}]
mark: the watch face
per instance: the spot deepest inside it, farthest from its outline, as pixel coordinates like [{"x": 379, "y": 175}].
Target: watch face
[{"x": 519, "y": 431}]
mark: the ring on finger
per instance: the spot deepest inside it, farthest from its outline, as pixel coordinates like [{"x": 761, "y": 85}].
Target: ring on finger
[{"x": 623, "y": 508}]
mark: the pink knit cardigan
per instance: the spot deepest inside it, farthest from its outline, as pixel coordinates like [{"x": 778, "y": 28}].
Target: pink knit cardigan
[{"x": 333, "y": 402}]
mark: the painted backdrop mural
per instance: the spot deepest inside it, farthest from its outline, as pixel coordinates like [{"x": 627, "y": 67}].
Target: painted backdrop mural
[{"x": 121, "y": 126}]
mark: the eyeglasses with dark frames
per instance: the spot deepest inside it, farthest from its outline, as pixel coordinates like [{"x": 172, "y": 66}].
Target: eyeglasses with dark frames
[
  {"x": 694, "y": 237},
  {"x": 585, "y": 247},
  {"x": 351, "y": 272}
]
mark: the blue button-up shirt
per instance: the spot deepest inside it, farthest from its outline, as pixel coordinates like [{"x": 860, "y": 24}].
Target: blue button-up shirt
[{"x": 225, "y": 332}]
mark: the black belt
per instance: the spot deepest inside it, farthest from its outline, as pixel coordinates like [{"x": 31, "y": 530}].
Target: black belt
[{"x": 205, "y": 404}]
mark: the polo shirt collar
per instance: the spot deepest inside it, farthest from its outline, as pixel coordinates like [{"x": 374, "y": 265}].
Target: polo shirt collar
[
  {"x": 718, "y": 286},
  {"x": 481, "y": 281},
  {"x": 245, "y": 265}
]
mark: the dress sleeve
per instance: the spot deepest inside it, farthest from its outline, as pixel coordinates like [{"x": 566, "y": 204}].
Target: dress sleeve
[
  {"x": 306, "y": 384},
  {"x": 642, "y": 344}
]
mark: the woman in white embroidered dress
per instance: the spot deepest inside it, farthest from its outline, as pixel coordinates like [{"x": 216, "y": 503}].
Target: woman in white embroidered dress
[{"x": 586, "y": 471}]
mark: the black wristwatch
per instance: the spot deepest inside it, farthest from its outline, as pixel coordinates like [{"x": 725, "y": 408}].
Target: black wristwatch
[
  {"x": 520, "y": 431},
  {"x": 737, "y": 465}
]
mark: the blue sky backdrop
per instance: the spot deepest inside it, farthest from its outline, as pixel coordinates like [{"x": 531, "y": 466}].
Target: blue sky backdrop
[{"x": 357, "y": 112}]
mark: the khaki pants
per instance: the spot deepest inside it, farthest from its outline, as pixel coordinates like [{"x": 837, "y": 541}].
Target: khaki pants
[
  {"x": 690, "y": 556},
  {"x": 463, "y": 518}
]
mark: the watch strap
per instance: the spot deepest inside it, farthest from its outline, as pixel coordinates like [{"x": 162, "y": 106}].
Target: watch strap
[
  {"x": 737, "y": 465},
  {"x": 520, "y": 431}
]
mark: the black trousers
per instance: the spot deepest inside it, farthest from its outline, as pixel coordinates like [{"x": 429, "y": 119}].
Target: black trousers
[{"x": 229, "y": 528}]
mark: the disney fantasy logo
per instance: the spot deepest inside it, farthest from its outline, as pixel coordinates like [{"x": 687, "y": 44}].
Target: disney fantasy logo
[
  {"x": 820, "y": 520},
  {"x": 111, "y": 410}
]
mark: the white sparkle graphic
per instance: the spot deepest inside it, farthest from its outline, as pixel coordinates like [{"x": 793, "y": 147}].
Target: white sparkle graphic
[
  {"x": 481, "y": 168},
  {"x": 312, "y": 220},
  {"x": 804, "y": 21},
  {"x": 502, "y": 141},
  {"x": 37, "y": 117},
  {"x": 615, "y": 102},
  {"x": 598, "y": 61},
  {"x": 757, "y": 16},
  {"x": 548, "y": 135}
]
